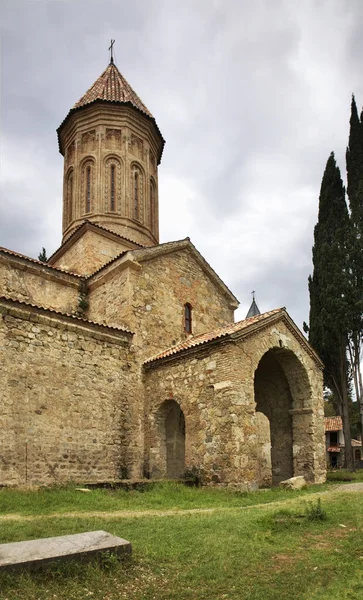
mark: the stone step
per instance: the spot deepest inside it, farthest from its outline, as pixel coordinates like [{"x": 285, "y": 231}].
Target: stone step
[{"x": 33, "y": 554}]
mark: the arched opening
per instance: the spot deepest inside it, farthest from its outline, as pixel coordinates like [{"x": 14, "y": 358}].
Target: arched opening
[
  {"x": 112, "y": 187},
  {"x": 282, "y": 394},
  {"x": 188, "y": 318},
  {"x": 168, "y": 448},
  {"x": 86, "y": 182},
  {"x": 152, "y": 204},
  {"x": 136, "y": 196},
  {"x": 88, "y": 189}
]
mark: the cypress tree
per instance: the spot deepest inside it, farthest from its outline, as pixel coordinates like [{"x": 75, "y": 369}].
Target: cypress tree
[
  {"x": 354, "y": 163},
  {"x": 42, "y": 256},
  {"x": 329, "y": 290}
]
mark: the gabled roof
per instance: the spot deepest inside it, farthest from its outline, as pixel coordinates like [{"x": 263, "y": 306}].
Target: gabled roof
[
  {"x": 215, "y": 334},
  {"x": 237, "y": 330},
  {"x": 40, "y": 263},
  {"x": 68, "y": 316},
  {"x": 80, "y": 230},
  {"x": 147, "y": 253},
  {"x": 112, "y": 87},
  {"x": 333, "y": 423}
]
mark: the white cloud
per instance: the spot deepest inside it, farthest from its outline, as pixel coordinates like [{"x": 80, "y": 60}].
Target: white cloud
[{"x": 251, "y": 99}]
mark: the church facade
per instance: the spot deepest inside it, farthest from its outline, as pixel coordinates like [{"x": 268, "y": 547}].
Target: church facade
[{"x": 120, "y": 357}]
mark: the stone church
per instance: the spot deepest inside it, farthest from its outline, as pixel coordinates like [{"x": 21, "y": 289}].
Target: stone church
[{"x": 120, "y": 357}]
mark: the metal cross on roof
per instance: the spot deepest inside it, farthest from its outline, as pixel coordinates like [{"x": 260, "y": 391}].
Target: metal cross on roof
[{"x": 111, "y": 50}]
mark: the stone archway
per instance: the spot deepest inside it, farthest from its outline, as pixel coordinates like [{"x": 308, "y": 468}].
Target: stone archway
[
  {"x": 283, "y": 395},
  {"x": 168, "y": 450}
]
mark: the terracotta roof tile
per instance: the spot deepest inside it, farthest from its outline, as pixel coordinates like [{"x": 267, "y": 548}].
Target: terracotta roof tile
[
  {"x": 333, "y": 423},
  {"x": 112, "y": 87},
  {"x": 63, "y": 314},
  {"x": 38, "y": 262},
  {"x": 215, "y": 334},
  {"x": 112, "y": 260}
]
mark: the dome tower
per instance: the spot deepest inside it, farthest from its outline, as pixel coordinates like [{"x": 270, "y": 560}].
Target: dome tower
[{"x": 112, "y": 147}]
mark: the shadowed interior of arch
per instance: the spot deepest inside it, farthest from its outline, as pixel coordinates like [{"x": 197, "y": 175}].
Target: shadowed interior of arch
[
  {"x": 280, "y": 385},
  {"x": 170, "y": 440}
]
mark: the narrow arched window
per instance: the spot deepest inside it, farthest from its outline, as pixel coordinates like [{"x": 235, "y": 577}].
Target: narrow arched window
[
  {"x": 70, "y": 198},
  {"x": 188, "y": 318},
  {"x": 112, "y": 187},
  {"x": 152, "y": 204},
  {"x": 136, "y": 195},
  {"x": 88, "y": 189}
]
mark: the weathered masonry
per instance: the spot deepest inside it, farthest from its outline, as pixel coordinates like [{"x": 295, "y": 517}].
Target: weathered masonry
[{"x": 120, "y": 357}]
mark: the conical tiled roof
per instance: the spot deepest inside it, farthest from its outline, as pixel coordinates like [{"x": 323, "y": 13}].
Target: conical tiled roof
[
  {"x": 111, "y": 86},
  {"x": 253, "y": 310}
]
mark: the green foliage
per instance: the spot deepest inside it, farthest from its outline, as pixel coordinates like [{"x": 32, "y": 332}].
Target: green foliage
[
  {"x": 342, "y": 475},
  {"x": 83, "y": 302},
  {"x": 161, "y": 495},
  {"x": 284, "y": 519},
  {"x": 315, "y": 511},
  {"x": 43, "y": 255},
  {"x": 193, "y": 476},
  {"x": 354, "y": 161},
  {"x": 329, "y": 284},
  {"x": 329, "y": 288}
]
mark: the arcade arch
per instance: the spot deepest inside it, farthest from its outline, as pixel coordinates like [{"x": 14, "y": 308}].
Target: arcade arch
[{"x": 283, "y": 395}]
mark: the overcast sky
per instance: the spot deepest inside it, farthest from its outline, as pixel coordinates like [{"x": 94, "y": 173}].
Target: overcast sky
[{"x": 251, "y": 98}]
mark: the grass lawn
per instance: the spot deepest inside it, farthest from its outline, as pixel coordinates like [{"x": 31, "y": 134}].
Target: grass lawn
[{"x": 195, "y": 544}]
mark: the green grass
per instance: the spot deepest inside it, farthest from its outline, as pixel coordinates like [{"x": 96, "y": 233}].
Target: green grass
[
  {"x": 240, "y": 551},
  {"x": 342, "y": 475},
  {"x": 162, "y": 496}
]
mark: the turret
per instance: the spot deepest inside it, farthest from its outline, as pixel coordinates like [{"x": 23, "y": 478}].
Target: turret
[{"x": 112, "y": 147}]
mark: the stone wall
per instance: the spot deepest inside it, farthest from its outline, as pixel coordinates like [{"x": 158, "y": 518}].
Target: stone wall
[
  {"x": 38, "y": 284},
  {"x": 214, "y": 387},
  {"x": 150, "y": 296},
  {"x": 71, "y": 405},
  {"x": 89, "y": 253}
]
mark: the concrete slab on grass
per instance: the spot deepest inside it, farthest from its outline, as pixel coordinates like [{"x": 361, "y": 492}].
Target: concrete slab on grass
[{"x": 33, "y": 554}]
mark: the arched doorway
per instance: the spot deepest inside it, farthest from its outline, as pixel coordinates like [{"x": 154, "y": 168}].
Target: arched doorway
[
  {"x": 168, "y": 452},
  {"x": 282, "y": 394}
]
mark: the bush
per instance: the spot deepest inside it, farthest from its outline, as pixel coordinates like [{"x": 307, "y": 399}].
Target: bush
[
  {"x": 193, "y": 477},
  {"x": 315, "y": 512},
  {"x": 341, "y": 475}
]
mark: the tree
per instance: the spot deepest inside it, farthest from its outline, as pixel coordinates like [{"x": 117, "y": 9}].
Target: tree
[
  {"x": 354, "y": 163},
  {"x": 43, "y": 255},
  {"x": 328, "y": 288}
]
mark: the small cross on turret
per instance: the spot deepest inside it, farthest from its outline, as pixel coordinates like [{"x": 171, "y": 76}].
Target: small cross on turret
[{"x": 111, "y": 51}]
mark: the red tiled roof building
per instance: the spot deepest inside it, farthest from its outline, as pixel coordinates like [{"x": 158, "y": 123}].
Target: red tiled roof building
[{"x": 121, "y": 357}]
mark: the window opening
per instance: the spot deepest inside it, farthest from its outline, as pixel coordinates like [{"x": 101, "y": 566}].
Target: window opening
[
  {"x": 70, "y": 197},
  {"x": 112, "y": 203},
  {"x": 152, "y": 204},
  {"x": 88, "y": 189},
  {"x": 188, "y": 318},
  {"x": 333, "y": 438},
  {"x": 136, "y": 195}
]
